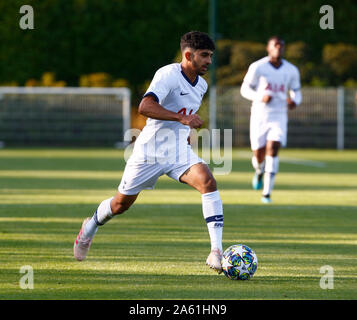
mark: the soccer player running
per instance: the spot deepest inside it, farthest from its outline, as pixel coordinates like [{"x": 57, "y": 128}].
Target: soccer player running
[
  {"x": 267, "y": 83},
  {"x": 170, "y": 103}
]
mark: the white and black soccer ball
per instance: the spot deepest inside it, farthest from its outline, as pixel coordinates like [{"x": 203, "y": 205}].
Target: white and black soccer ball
[{"x": 239, "y": 262}]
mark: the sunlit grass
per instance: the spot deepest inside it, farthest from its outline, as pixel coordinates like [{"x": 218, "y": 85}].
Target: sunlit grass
[{"x": 158, "y": 248}]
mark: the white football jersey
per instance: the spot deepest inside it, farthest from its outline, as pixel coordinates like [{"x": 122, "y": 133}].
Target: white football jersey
[
  {"x": 173, "y": 90},
  {"x": 266, "y": 79}
]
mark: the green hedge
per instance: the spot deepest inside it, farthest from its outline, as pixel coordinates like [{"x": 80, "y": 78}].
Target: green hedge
[{"x": 131, "y": 39}]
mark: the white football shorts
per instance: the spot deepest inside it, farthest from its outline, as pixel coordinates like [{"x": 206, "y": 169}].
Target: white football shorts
[
  {"x": 271, "y": 129},
  {"x": 140, "y": 175}
]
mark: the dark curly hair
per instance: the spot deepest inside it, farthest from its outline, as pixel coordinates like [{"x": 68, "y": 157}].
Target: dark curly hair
[{"x": 197, "y": 40}]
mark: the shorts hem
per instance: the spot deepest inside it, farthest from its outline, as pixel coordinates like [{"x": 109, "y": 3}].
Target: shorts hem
[{"x": 128, "y": 193}]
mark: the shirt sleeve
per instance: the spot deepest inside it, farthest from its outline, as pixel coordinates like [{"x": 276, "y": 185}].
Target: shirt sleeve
[
  {"x": 247, "y": 92},
  {"x": 295, "y": 87},
  {"x": 250, "y": 82},
  {"x": 295, "y": 80},
  {"x": 160, "y": 86},
  {"x": 252, "y": 77},
  {"x": 296, "y": 96}
]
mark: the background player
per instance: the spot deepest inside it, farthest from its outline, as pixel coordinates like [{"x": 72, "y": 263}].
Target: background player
[
  {"x": 170, "y": 103},
  {"x": 267, "y": 83}
]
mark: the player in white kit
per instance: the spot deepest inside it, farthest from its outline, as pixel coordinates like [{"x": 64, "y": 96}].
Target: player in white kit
[
  {"x": 170, "y": 103},
  {"x": 273, "y": 84}
]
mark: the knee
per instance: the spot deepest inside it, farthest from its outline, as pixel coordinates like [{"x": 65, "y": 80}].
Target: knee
[
  {"x": 273, "y": 149},
  {"x": 209, "y": 184},
  {"x": 260, "y": 158},
  {"x": 260, "y": 154}
]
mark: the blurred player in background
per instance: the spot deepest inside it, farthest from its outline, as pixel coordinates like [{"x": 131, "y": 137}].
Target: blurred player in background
[
  {"x": 273, "y": 84},
  {"x": 170, "y": 103}
]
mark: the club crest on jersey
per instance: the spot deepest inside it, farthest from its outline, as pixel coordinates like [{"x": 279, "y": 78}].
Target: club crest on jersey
[{"x": 275, "y": 87}]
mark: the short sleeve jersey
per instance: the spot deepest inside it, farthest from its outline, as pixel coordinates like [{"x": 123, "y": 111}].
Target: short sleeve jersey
[
  {"x": 174, "y": 91},
  {"x": 266, "y": 79}
]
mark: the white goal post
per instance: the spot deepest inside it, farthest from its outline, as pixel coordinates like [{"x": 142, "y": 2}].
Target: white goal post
[{"x": 77, "y": 110}]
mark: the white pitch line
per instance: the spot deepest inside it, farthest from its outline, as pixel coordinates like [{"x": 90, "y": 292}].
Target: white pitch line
[{"x": 302, "y": 162}]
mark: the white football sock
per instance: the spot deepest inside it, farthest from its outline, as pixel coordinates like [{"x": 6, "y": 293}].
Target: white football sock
[
  {"x": 213, "y": 213},
  {"x": 90, "y": 229},
  {"x": 259, "y": 167},
  {"x": 100, "y": 217},
  {"x": 271, "y": 169},
  {"x": 269, "y": 179}
]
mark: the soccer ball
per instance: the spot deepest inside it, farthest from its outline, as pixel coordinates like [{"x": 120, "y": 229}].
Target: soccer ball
[{"x": 239, "y": 262}]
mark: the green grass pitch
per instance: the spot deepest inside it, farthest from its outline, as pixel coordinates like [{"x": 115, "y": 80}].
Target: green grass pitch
[{"x": 157, "y": 250}]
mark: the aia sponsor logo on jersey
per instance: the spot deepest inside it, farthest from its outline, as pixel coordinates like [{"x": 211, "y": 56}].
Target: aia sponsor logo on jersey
[
  {"x": 275, "y": 87},
  {"x": 184, "y": 111}
]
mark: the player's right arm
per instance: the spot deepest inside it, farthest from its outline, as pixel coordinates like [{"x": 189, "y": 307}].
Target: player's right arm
[
  {"x": 249, "y": 84},
  {"x": 162, "y": 84},
  {"x": 149, "y": 107}
]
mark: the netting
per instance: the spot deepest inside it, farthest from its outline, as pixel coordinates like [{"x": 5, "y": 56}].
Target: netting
[{"x": 71, "y": 116}]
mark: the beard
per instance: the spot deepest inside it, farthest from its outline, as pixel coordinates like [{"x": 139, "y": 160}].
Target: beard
[{"x": 198, "y": 68}]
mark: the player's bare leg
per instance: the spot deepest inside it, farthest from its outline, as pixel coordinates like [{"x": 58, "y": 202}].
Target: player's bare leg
[
  {"x": 258, "y": 162},
  {"x": 106, "y": 210},
  {"x": 122, "y": 202},
  {"x": 271, "y": 169},
  {"x": 200, "y": 177}
]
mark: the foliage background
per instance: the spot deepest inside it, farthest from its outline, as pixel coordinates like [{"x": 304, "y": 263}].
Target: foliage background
[{"x": 121, "y": 42}]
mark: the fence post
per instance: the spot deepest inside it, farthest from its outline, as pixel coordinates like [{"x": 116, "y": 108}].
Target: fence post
[
  {"x": 212, "y": 108},
  {"x": 340, "y": 118}
]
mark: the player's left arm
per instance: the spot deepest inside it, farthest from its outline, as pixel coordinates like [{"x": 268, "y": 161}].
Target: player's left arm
[{"x": 294, "y": 91}]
